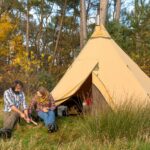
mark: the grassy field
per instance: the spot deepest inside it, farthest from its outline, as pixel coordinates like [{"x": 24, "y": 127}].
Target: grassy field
[{"x": 122, "y": 130}]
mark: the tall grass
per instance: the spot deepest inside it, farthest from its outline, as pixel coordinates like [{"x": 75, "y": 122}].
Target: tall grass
[
  {"x": 82, "y": 143},
  {"x": 125, "y": 129},
  {"x": 124, "y": 123}
]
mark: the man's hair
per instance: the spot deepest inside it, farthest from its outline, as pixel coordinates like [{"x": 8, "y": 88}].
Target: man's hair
[{"x": 15, "y": 83}]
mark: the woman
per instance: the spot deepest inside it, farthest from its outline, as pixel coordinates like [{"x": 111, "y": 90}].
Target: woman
[{"x": 45, "y": 105}]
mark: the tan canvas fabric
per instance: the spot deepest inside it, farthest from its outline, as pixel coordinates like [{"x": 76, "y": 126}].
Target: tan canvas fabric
[
  {"x": 73, "y": 79},
  {"x": 116, "y": 76}
]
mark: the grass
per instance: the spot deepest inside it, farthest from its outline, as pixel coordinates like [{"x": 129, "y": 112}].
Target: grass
[
  {"x": 122, "y": 130},
  {"x": 126, "y": 123}
]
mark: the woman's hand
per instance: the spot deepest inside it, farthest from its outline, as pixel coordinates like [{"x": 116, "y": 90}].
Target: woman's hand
[{"x": 45, "y": 109}]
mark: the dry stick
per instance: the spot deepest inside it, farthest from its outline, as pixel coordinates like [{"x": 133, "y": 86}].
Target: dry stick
[
  {"x": 31, "y": 121},
  {"x": 58, "y": 36},
  {"x": 35, "y": 123}
]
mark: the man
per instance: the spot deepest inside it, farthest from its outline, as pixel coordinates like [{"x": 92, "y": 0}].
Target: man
[{"x": 14, "y": 107}]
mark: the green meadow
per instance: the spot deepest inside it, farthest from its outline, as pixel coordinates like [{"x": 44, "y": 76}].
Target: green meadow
[{"x": 125, "y": 129}]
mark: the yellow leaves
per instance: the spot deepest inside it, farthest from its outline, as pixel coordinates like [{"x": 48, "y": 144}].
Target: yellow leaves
[
  {"x": 21, "y": 55},
  {"x": 13, "y": 49},
  {"x": 6, "y": 27},
  {"x": 49, "y": 58},
  {"x": 17, "y": 45},
  {"x": 42, "y": 55},
  {"x": 11, "y": 46},
  {"x": 3, "y": 51},
  {"x": 17, "y": 61},
  {"x": 22, "y": 60},
  {"x": 6, "y": 36}
]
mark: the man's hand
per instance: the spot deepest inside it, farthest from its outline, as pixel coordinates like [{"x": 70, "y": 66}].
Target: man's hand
[
  {"x": 22, "y": 115},
  {"x": 27, "y": 119},
  {"x": 27, "y": 116}
]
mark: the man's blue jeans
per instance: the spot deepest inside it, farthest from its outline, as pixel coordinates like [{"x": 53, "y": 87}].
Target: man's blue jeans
[{"x": 48, "y": 117}]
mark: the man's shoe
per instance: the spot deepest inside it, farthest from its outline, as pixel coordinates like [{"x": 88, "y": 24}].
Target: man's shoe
[{"x": 5, "y": 133}]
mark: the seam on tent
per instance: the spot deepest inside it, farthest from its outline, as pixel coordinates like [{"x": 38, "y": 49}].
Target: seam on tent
[
  {"x": 109, "y": 38},
  {"x": 110, "y": 98}
]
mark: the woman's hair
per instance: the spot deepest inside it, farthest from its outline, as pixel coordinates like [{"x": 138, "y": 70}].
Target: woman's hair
[
  {"x": 15, "y": 83},
  {"x": 44, "y": 92}
]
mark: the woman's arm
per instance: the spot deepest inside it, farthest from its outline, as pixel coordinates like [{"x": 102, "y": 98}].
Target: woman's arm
[
  {"x": 53, "y": 106},
  {"x": 32, "y": 105}
]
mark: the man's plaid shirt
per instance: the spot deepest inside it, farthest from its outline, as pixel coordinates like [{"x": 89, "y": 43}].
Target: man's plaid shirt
[{"x": 12, "y": 99}]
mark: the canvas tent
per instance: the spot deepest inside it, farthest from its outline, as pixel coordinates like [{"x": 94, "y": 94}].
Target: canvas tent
[{"x": 103, "y": 68}]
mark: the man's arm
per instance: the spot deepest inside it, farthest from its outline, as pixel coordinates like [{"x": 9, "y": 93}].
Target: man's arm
[
  {"x": 8, "y": 99},
  {"x": 26, "y": 113},
  {"x": 24, "y": 102},
  {"x": 15, "y": 109},
  {"x": 25, "y": 107},
  {"x": 22, "y": 115},
  {"x": 9, "y": 102}
]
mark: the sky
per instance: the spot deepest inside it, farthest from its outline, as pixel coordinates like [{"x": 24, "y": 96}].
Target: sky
[{"x": 128, "y": 4}]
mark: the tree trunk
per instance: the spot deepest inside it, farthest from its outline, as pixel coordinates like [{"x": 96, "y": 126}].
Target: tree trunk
[
  {"x": 27, "y": 29},
  {"x": 103, "y": 11},
  {"x": 83, "y": 29},
  {"x": 40, "y": 33},
  {"x": 118, "y": 8},
  {"x": 136, "y": 14},
  {"x": 59, "y": 32},
  {"x": 1, "y": 4}
]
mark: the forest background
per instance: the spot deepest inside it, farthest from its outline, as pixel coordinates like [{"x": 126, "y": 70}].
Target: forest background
[{"x": 39, "y": 39}]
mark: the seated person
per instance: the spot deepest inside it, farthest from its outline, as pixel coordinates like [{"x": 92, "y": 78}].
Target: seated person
[
  {"x": 45, "y": 106},
  {"x": 14, "y": 107}
]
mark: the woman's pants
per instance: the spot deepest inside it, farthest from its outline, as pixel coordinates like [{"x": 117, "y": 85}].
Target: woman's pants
[{"x": 48, "y": 117}]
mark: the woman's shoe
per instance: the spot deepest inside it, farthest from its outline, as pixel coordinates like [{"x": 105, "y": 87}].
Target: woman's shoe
[{"x": 52, "y": 127}]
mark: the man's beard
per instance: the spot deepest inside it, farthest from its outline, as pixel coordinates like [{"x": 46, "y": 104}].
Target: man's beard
[{"x": 16, "y": 92}]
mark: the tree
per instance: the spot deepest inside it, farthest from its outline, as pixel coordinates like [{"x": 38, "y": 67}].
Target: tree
[
  {"x": 117, "y": 10},
  {"x": 83, "y": 24},
  {"x": 103, "y": 11},
  {"x": 27, "y": 28},
  {"x": 60, "y": 29}
]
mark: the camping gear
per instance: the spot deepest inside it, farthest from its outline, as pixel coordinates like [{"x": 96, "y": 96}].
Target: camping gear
[{"x": 62, "y": 110}]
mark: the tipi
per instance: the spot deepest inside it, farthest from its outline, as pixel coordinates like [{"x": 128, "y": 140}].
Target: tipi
[{"x": 106, "y": 71}]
